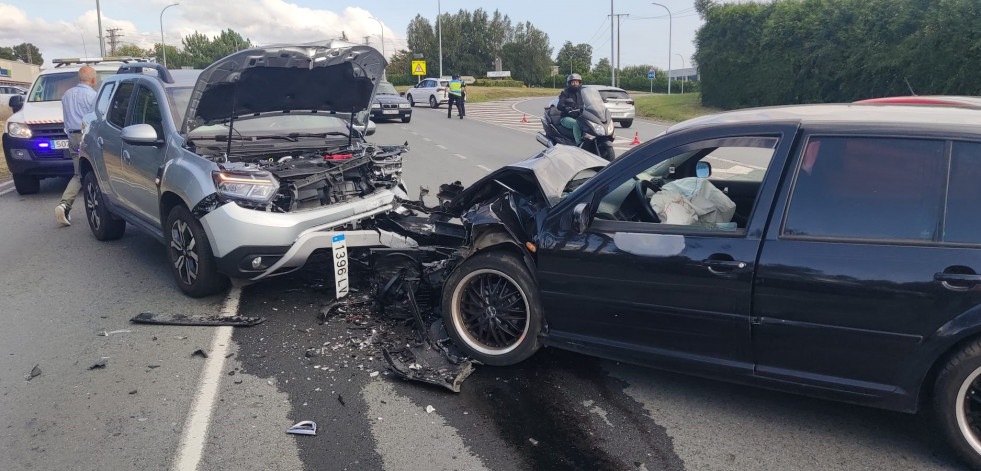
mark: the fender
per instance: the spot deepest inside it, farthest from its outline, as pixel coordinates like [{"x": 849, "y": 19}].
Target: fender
[
  {"x": 185, "y": 167},
  {"x": 937, "y": 345}
]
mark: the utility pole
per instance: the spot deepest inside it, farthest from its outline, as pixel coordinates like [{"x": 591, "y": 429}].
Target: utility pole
[
  {"x": 113, "y": 39},
  {"x": 102, "y": 41},
  {"x": 366, "y": 38},
  {"x": 613, "y": 77},
  {"x": 617, "y": 67}
]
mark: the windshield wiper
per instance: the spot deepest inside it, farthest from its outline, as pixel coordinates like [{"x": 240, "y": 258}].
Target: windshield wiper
[{"x": 292, "y": 137}]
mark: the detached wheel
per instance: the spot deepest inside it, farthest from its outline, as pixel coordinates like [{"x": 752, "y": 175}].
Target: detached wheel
[
  {"x": 26, "y": 184},
  {"x": 432, "y": 102},
  {"x": 957, "y": 403},
  {"x": 492, "y": 310},
  {"x": 191, "y": 259},
  {"x": 103, "y": 224},
  {"x": 412, "y": 102}
]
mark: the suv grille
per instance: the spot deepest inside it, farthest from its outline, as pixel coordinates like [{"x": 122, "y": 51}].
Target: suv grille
[{"x": 52, "y": 132}]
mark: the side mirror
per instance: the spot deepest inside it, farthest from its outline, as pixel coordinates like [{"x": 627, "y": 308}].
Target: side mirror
[
  {"x": 16, "y": 102},
  {"x": 581, "y": 218},
  {"x": 366, "y": 129},
  {"x": 401, "y": 93},
  {"x": 703, "y": 169},
  {"x": 140, "y": 134}
]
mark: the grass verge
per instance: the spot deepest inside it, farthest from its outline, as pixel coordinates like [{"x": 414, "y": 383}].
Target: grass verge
[
  {"x": 673, "y": 108},
  {"x": 4, "y": 171}
]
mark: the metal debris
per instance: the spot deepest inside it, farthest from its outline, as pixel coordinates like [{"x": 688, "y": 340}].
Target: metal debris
[
  {"x": 181, "y": 319},
  {"x": 306, "y": 427},
  {"x": 35, "y": 372},
  {"x": 100, "y": 364}
]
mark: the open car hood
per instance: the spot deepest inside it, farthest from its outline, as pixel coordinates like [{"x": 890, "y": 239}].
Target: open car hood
[
  {"x": 308, "y": 78},
  {"x": 543, "y": 177}
]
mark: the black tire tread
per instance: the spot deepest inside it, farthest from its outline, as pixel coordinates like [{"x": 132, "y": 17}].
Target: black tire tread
[{"x": 948, "y": 382}]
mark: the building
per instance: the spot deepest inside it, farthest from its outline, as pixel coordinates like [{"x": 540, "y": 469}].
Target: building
[{"x": 18, "y": 73}]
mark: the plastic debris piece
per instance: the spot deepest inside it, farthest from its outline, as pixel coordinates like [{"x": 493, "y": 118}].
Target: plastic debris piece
[
  {"x": 133, "y": 391},
  {"x": 200, "y": 353},
  {"x": 341, "y": 400},
  {"x": 305, "y": 427},
  {"x": 35, "y": 372},
  {"x": 445, "y": 375},
  {"x": 533, "y": 441},
  {"x": 373, "y": 374},
  {"x": 181, "y": 319},
  {"x": 430, "y": 409},
  {"x": 100, "y": 364},
  {"x": 153, "y": 366},
  {"x": 120, "y": 331}
]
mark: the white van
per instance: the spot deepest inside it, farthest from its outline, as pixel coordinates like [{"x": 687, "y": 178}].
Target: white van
[{"x": 34, "y": 141}]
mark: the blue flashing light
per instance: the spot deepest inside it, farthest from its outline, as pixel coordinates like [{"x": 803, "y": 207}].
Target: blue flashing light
[{"x": 44, "y": 144}]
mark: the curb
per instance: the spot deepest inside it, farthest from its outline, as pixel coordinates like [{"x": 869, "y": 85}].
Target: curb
[{"x": 6, "y": 186}]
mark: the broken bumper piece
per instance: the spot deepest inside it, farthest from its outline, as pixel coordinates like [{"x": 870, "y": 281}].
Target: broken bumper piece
[{"x": 181, "y": 319}]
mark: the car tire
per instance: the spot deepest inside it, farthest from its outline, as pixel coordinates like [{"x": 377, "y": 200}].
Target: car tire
[
  {"x": 626, "y": 123},
  {"x": 956, "y": 398},
  {"x": 189, "y": 253},
  {"x": 477, "y": 291},
  {"x": 432, "y": 102},
  {"x": 27, "y": 184},
  {"x": 407, "y": 119},
  {"x": 412, "y": 103},
  {"x": 104, "y": 225}
]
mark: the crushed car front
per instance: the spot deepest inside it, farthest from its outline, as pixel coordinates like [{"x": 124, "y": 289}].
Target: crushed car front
[{"x": 274, "y": 139}]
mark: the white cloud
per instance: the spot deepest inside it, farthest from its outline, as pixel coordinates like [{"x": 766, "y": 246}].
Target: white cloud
[{"x": 261, "y": 21}]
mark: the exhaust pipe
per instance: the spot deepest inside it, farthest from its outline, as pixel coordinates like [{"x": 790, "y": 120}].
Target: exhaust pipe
[{"x": 544, "y": 140}]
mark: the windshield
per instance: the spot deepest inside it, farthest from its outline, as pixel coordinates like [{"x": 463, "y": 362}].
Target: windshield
[
  {"x": 51, "y": 87},
  {"x": 593, "y": 103},
  {"x": 385, "y": 88},
  {"x": 275, "y": 125},
  {"x": 178, "y": 97}
]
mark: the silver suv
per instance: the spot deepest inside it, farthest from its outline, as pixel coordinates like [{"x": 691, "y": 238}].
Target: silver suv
[
  {"x": 431, "y": 90},
  {"x": 245, "y": 169}
]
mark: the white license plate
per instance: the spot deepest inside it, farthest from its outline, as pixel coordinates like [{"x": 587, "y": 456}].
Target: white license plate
[
  {"x": 390, "y": 112},
  {"x": 339, "y": 247},
  {"x": 61, "y": 144}
]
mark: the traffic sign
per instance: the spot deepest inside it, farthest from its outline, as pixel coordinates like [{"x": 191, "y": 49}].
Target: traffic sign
[
  {"x": 650, "y": 73},
  {"x": 418, "y": 67}
]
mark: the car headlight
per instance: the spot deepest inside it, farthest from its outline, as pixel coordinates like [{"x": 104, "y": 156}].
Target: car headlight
[
  {"x": 376, "y": 106},
  {"x": 22, "y": 131},
  {"x": 258, "y": 186},
  {"x": 404, "y": 105}
]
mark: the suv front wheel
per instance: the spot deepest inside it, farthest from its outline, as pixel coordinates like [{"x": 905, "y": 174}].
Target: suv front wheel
[{"x": 190, "y": 256}]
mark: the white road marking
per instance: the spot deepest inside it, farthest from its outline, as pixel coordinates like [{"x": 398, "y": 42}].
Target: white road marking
[
  {"x": 461, "y": 156},
  {"x": 441, "y": 146},
  {"x": 427, "y": 139},
  {"x": 483, "y": 168},
  {"x": 195, "y": 434}
]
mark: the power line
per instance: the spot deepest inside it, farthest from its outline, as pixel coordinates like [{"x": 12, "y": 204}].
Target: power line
[{"x": 114, "y": 36}]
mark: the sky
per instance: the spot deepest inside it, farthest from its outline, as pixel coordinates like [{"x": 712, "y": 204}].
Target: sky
[{"x": 62, "y": 28}]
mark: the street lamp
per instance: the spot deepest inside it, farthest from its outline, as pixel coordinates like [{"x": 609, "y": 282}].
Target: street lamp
[
  {"x": 439, "y": 25},
  {"x": 383, "y": 32},
  {"x": 163, "y": 45},
  {"x": 682, "y": 66},
  {"x": 669, "y": 44}
]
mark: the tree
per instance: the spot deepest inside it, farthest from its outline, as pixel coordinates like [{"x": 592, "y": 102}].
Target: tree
[
  {"x": 29, "y": 53},
  {"x": 201, "y": 51},
  {"x": 577, "y": 58},
  {"x": 528, "y": 56},
  {"x": 7, "y": 53},
  {"x": 601, "y": 73},
  {"x": 422, "y": 40},
  {"x": 133, "y": 51}
]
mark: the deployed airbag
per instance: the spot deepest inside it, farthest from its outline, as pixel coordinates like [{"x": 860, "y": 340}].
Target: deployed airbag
[{"x": 692, "y": 200}]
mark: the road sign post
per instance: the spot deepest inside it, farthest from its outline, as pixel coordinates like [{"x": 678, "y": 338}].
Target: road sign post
[
  {"x": 650, "y": 75},
  {"x": 419, "y": 69}
]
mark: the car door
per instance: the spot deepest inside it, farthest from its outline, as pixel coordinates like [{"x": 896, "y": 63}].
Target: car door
[
  {"x": 865, "y": 266},
  {"x": 109, "y": 140},
  {"x": 650, "y": 292},
  {"x": 141, "y": 162}
]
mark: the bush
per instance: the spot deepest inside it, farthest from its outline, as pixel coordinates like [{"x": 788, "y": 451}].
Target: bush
[
  {"x": 402, "y": 79},
  {"x": 498, "y": 83}
]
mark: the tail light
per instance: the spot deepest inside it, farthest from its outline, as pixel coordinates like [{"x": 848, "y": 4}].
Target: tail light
[{"x": 630, "y": 102}]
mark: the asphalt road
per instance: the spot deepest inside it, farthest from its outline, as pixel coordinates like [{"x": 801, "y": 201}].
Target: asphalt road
[{"x": 60, "y": 288}]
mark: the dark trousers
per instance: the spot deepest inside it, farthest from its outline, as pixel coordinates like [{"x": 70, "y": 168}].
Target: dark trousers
[{"x": 460, "y": 110}]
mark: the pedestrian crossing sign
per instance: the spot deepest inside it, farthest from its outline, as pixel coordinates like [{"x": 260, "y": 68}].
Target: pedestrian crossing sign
[{"x": 418, "y": 67}]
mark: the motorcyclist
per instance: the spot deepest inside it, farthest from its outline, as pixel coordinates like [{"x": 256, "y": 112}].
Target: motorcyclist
[{"x": 571, "y": 105}]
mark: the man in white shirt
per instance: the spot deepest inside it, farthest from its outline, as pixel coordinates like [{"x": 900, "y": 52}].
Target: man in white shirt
[{"x": 75, "y": 103}]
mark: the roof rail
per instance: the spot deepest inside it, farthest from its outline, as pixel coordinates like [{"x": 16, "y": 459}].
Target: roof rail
[
  {"x": 138, "y": 67},
  {"x": 92, "y": 60}
]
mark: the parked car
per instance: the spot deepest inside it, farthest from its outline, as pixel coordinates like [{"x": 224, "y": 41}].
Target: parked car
[
  {"x": 430, "y": 90},
  {"x": 35, "y": 145},
  {"x": 237, "y": 179},
  {"x": 826, "y": 250},
  {"x": 388, "y": 104},
  {"x": 6, "y": 93},
  {"x": 619, "y": 103}
]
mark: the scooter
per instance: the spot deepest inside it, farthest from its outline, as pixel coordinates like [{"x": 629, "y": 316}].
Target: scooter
[{"x": 594, "y": 122}]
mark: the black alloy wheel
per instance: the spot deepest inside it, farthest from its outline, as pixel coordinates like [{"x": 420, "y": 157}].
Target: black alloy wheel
[
  {"x": 191, "y": 260},
  {"x": 103, "y": 224},
  {"x": 492, "y": 310},
  {"x": 432, "y": 102}
]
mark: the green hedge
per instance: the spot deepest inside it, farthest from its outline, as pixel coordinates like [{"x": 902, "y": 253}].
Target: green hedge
[{"x": 498, "y": 83}]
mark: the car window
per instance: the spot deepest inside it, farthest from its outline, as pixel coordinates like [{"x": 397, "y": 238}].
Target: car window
[
  {"x": 120, "y": 104},
  {"x": 102, "y": 105},
  {"x": 614, "y": 94},
  {"x": 51, "y": 87},
  {"x": 675, "y": 195},
  {"x": 147, "y": 110},
  {"x": 961, "y": 223},
  {"x": 868, "y": 188}
]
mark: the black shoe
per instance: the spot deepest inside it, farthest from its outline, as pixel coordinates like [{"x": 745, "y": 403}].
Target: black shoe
[
  {"x": 448, "y": 116},
  {"x": 461, "y": 116}
]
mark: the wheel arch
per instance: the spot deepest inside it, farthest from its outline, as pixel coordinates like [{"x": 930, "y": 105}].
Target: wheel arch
[
  {"x": 168, "y": 201},
  {"x": 925, "y": 392},
  {"x": 495, "y": 237}
]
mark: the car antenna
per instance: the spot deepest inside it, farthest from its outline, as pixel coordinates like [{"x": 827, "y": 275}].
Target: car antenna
[
  {"x": 231, "y": 121},
  {"x": 911, "y": 92}
]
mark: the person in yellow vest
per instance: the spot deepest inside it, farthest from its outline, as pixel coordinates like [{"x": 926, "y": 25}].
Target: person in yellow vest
[{"x": 458, "y": 95}]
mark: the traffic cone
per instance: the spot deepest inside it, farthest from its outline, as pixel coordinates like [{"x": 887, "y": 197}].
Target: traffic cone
[
  {"x": 636, "y": 139},
  {"x": 524, "y": 119}
]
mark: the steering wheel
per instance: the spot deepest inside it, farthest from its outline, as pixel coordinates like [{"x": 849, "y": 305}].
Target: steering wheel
[{"x": 640, "y": 193}]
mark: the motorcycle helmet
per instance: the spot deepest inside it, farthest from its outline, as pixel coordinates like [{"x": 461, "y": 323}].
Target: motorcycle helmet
[{"x": 568, "y": 81}]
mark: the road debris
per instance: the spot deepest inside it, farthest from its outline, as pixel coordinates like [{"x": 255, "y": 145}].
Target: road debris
[
  {"x": 533, "y": 441},
  {"x": 199, "y": 353},
  {"x": 430, "y": 409},
  {"x": 182, "y": 319},
  {"x": 120, "y": 331},
  {"x": 341, "y": 400},
  {"x": 100, "y": 364},
  {"x": 34, "y": 373},
  {"x": 306, "y": 427}
]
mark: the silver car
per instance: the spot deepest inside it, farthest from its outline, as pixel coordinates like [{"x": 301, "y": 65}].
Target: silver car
[
  {"x": 619, "y": 103},
  {"x": 238, "y": 178}
]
